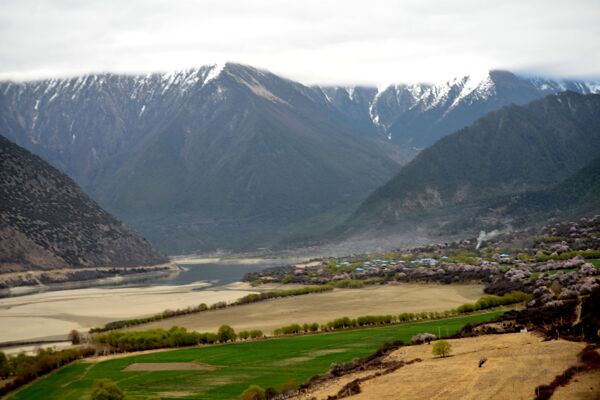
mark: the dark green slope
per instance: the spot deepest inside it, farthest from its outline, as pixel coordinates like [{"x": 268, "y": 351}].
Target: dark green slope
[
  {"x": 242, "y": 163},
  {"x": 578, "y": 194},
  {"x": 513, "y": 150}
]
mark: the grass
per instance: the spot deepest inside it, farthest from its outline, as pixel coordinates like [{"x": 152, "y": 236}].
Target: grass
[{"x": 265, "y": 363}]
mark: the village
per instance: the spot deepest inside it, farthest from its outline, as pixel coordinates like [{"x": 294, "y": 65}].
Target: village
[{"x": 562, "y": 258}]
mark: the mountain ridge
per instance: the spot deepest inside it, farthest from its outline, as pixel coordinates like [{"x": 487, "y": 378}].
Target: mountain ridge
[{"x": 202, "y": 159}]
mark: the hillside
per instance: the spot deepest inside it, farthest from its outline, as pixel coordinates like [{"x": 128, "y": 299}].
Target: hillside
[
  {"x": 47, "y": 222},
  {"x": 512, "y": 151},
  {"x": 511, "y": 371}
]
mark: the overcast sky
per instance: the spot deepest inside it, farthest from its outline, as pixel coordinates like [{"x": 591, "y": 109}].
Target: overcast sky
[{"x": 332, "y": 42}]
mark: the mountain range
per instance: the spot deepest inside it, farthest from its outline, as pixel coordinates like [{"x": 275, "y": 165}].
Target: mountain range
[
  {"x": 234, "y": 157},
  {"x": 511, "y": 165}
]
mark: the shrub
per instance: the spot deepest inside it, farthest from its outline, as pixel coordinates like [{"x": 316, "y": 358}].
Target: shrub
[
  {"x": 254, "y": 392},
  {"x": 423, "y": 338},
  {"x": 105, "y": 389},
  {"x": 441, "y": 348}
]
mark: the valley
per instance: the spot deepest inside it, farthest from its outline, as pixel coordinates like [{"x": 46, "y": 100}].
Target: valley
[{"x": 226, "y": 233}]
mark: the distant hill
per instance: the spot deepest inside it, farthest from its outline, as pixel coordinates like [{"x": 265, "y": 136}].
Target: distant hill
[
  {"x": 515, "y": 161},
  {"x": 47, "y": 222}
]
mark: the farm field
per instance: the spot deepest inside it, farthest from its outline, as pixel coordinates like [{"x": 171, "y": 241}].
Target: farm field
[
  {"x": 323, "y": 307},
  {"x": 224, "y": 371},
  {"x": 516, "y": 364}
]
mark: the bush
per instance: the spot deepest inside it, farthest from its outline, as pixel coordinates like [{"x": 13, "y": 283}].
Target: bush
[
  {"x": 105, "y": 389},
  {"x": 254, "y": 392},
  {"x": 441, "y": 348},
  {"x": 423, "y": 338}
]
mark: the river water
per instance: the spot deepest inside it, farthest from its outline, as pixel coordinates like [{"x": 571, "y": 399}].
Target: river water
[{"x": 215, "y": 274}]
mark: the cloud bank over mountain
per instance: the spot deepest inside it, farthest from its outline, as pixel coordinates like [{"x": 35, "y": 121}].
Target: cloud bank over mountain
[{"x": 325, "y": 42}]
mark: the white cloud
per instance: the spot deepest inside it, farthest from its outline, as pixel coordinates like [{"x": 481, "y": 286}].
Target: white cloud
[{"x": 327, "y": 41}]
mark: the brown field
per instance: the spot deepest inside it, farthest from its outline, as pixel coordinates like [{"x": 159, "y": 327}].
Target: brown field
[
  {"x": 516, "y": 364},
  {"x": 322, "y": 307},
  {"x": 51, "y": 315}
]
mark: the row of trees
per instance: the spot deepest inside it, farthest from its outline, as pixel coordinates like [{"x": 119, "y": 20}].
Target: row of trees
[
  {"x": 250, "y": 298},
  {"x": 492, "y": 301},
  {"x": 254, "y": 297},
  {"x": 174, "y": 337},
  {"x": 24, "y": 368},
  {"x": 483, "y": 303}
]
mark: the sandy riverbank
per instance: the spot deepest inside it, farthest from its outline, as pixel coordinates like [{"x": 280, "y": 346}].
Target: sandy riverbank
[{"x": 53, "y": 314}]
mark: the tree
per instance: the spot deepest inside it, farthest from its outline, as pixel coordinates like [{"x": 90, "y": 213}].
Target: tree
[
  {"x": 243, "y": 335},
  {"x": 105, "y": 389},
  {"x": 226, "y": 334},
  {"x": 442, "y": 348},
  {"x": 74, "y": 337},
  {"x": 4, "y": 367}
]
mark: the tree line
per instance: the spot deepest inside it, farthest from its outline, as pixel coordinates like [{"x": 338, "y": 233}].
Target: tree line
[
  {"x": 175, "y": 337},
  {"x": 484, "y": 302},
  {"x": 21, "y": 369},
  {"x": 492, "y": 301}
]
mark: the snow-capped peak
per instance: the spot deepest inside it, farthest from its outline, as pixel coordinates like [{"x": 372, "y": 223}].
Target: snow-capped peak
[{"x": 215, "y": 71}]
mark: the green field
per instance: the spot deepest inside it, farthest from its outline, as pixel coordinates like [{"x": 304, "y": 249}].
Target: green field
[{"x": 266, "y": 363}]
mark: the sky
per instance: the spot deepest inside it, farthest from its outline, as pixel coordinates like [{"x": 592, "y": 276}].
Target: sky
[{"x": 372, "y": 42}]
